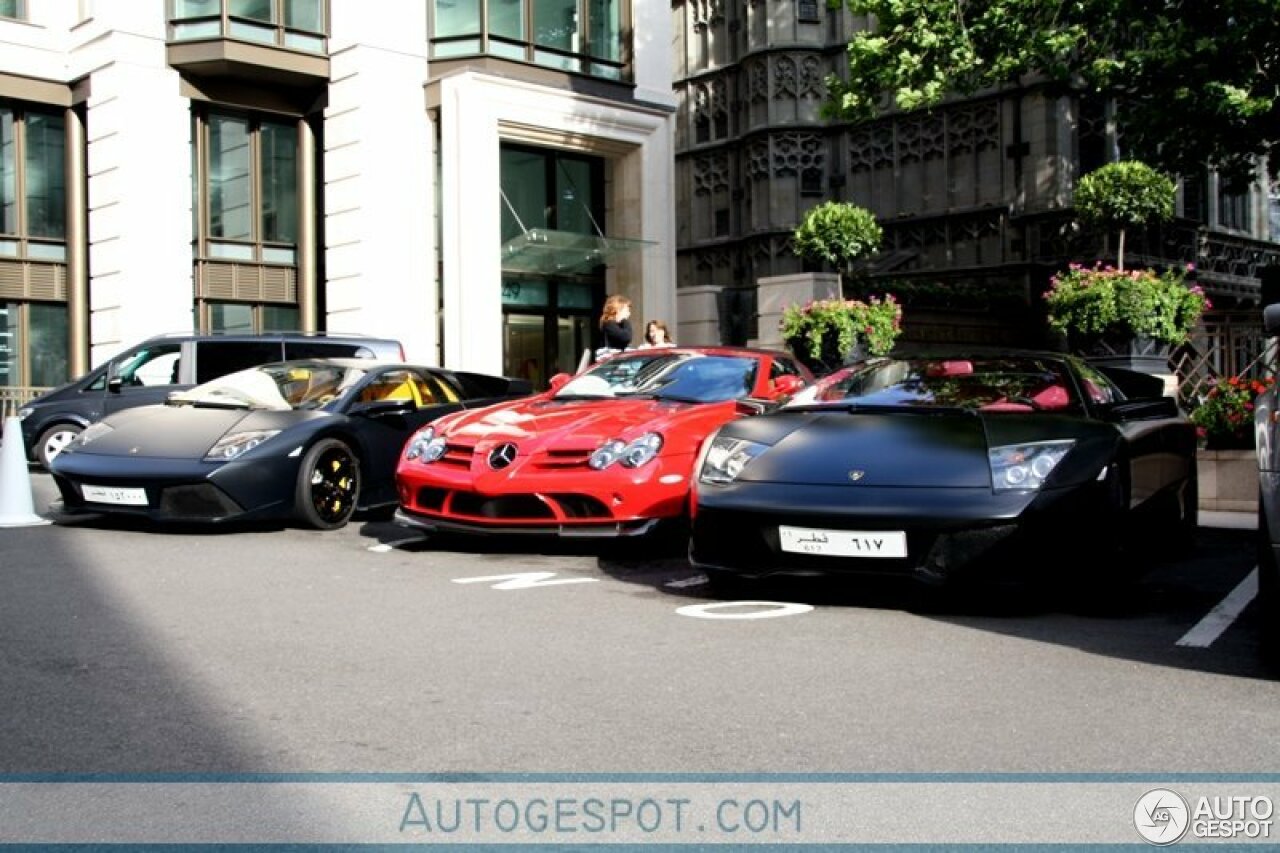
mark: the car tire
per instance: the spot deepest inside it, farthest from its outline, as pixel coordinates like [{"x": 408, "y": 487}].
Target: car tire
[
  {"x": 328, "y": 485},
  {"x": 53, "y": 439}
]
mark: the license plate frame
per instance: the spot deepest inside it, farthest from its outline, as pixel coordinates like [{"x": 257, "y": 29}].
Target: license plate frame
[
  {"x": 826, "y": 542},
  {"x": 114, "y": 495}
]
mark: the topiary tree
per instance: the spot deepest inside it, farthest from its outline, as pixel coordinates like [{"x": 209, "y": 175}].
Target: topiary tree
[
  {"x": 1124, "y": 194},
  {"x": 837, "y": 233}
]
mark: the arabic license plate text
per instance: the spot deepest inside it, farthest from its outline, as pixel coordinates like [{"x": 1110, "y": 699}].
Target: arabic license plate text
[
  {"x": 843, "y": 543},
  {"x": 112, "y": 495}
]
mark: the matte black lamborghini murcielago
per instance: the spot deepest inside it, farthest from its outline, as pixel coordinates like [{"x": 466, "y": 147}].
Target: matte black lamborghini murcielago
[
  {"x": 310, "y": 440},
  {"x": 933, "y": 466}
]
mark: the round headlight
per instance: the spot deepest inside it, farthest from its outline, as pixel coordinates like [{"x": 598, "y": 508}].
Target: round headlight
[{"x": 607, "y": 454}]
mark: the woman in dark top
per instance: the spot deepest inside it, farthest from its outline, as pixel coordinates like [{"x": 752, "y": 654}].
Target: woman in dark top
[{"x": 615, "y": 322}]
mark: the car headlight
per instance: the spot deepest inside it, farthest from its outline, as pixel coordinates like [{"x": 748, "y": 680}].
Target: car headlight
[
  {"x": 425, "y": 446},
  {"x": 1025, "y": 466},
  {"x": 726, "y": 458},
  {"x": 93, "y": 432},
  {"x": 236, "y": 444},
  {"x": 23, "y": 412},
  {"x": 632, "y": 455}
]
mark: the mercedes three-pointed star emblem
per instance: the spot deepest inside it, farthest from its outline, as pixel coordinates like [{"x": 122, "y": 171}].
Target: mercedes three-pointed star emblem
[{"x": 502, "y": 456}]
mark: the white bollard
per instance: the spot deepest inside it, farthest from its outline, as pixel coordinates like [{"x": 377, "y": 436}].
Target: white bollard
[{"x": 17, "y": 506}]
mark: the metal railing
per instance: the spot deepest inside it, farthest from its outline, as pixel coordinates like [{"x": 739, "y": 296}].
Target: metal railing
[
  {"x": 1226, "y": 343},
  {"x": 13, "y": 396}
]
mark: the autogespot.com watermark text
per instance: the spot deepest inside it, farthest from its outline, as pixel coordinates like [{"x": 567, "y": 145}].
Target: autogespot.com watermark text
[{"x": 425, "y": 814}]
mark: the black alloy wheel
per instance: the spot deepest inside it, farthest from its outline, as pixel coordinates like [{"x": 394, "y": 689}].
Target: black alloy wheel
[{"x": 328, "y": 485}]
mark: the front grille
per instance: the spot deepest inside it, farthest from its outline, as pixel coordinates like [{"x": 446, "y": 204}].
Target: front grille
[
  {"x": 458, "y": 455},
  {"x": 504, "y": 507},
  {"x": 431, "y": 498},
  {"x": 580, "y": 506},
  {"x": 202, "y": 501},
  {"x": 558, "y": 460}
]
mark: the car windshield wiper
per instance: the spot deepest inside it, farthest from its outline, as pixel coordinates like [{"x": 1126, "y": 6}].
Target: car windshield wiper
[{"x": 562, "y": 398}]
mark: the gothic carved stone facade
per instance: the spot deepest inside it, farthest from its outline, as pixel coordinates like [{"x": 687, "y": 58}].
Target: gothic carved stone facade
[{"x": 977, "y": 190}]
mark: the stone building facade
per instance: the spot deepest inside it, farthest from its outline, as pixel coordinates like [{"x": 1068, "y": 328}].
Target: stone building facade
[{"x": 974, "y": 195}]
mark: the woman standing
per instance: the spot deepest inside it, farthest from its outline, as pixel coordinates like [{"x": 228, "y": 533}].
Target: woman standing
[
  {"x": 615, "y": 323},
  {"x": 656, "y": 335}
]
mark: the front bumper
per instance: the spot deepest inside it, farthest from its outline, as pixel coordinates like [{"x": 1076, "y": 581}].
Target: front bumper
[
  {"x": 180, "y": 489},
  {"x": 949, "y": 532},
  {"x": 616, "y": 502}
]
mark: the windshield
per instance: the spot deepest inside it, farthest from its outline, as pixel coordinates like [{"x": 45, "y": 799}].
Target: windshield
[
  {"x": 1012, "y": 384},
  {"x": 283, "y": 386},
  {"x": 691, "y": 377}
]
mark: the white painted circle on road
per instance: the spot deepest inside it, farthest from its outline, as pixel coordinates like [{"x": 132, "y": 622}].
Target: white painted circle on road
[{"x": 764, "y": 609}]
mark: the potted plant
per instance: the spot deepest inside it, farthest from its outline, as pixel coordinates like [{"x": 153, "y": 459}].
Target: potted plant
[
  {"x": 837, "y": 233},
  {"x": 1224, "y": 416},
  {"x": 827, "y": 333},
  {"x": 1129, "y": 318},
  {"x": 1122, "y": 195}
]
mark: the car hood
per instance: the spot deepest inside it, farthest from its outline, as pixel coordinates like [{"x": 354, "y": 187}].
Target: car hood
[
  {"x": 181, "y": 432},
  {"x": 546, "y": 423},
  {"x": 899, "y": 450}
]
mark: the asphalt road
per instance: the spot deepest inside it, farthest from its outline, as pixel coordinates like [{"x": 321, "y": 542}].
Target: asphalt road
[{"x": 124, "y": 649}]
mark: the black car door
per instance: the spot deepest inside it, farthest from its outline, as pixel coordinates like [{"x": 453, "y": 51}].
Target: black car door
[{"x": 390, "y": 407}]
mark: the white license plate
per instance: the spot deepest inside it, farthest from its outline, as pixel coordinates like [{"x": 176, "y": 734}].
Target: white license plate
[
  {"x": 843, "y": 543},
  {"x": 110, "y": 495}
]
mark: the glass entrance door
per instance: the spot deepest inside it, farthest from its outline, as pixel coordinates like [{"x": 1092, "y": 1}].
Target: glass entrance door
[{"x": 547, "y": 325}]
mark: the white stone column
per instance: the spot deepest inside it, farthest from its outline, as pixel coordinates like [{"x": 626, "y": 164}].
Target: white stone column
[
  {"x": 775, "y": 293},
  {"x": 139, "y": 198},
  {"x": 379, "y": 197}
]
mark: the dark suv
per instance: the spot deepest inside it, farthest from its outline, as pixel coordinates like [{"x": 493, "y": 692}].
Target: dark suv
[{"x": 147, "y": 373}]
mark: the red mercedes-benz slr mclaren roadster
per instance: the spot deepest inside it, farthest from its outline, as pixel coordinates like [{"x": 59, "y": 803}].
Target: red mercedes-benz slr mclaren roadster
[{"x": 609, "y": 452}]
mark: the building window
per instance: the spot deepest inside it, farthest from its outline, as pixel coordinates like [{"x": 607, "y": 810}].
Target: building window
[
  {"x": 581, "y": 36},
  {"x": 13, "y": 9},
  {"x": 33, "y": 186},
  {"x": 247, "y": 212},
  {"x": 1233, "y": 205},
  {"x": 243, "y": 318},
  {"x": 250, "y": 182},
  {"x": 33, "y": 344},
  {"x": 295, "y": 24}
]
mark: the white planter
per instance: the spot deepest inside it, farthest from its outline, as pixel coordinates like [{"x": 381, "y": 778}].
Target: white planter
[{"x": 1228, "y": 480}]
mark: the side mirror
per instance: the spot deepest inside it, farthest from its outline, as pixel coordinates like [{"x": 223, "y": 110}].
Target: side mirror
[
  {"x": 787, "y": 385},
  {"x": 114, "y": 384},
  {"x": 559, "y": 381},
  {"x": 384, "y": 408}
]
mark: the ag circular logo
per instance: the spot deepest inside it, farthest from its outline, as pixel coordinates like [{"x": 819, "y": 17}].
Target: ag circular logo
[{"x": 1161, "y": 816}]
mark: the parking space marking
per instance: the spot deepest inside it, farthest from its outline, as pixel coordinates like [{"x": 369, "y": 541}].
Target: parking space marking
[
  {"x": 525, "y": 580},
  {"x": 384, "y": 547},
  {"x": 1219, "y": 619},
  {"x": 771, "y": 609}
]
